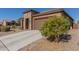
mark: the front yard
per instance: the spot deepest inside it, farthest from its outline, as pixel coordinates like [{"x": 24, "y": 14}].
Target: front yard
[
  {"x": 9, "y": 32},
  {"x": 4, "y": 31},
  {"x": 45, "y": 45}
]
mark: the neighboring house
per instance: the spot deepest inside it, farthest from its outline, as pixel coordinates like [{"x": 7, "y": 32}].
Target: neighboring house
[
  {"x": 5, "y": 23},
  {"x": 33, "y": 20},
  {"x": 76, "y": 25}
]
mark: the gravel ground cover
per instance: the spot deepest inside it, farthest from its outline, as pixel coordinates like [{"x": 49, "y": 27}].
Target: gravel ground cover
[{"x": 44, "y": 45}]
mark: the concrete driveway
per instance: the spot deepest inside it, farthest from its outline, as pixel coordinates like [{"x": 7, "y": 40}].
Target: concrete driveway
[{"x": 14, "y": 42}]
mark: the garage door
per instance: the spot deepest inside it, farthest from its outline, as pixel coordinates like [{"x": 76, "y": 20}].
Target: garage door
[{"x": 38, "y": 23}]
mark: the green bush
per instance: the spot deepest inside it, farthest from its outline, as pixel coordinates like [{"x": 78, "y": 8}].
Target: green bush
[
  {"x": 13, "y": 26},
  {"x": 55, "y": 26},
  {"x": 5, "y": 28}
]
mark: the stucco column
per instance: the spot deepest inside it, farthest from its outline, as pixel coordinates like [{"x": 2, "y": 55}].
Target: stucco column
[
  {"x": 30, "y": 24},
  {"x": 21, "y": 23},
  {"x": 24, "y": 24}
]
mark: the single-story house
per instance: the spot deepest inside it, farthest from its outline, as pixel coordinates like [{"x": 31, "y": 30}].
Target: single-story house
[
  {"x": 5, "y": 23},
  {"x": 32, "y": 19}
]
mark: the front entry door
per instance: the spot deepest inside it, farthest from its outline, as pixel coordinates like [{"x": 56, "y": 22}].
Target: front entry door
[{"x": 27, "y": 23}]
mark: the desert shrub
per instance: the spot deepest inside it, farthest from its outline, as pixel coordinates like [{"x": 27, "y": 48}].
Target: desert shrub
[
  {"x": 55, "y": 26},
  {"x": 5, "y": 28},
  {"x": 13, "y": 26}
]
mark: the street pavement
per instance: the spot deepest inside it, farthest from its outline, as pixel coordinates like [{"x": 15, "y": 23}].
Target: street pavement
[{"x": 14, "y": 42}]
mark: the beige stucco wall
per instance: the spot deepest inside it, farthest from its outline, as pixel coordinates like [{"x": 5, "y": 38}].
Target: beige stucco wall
[{"x": 48, "y": 15}]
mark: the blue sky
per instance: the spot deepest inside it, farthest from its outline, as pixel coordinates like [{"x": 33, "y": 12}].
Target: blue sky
[{"x": 15, "y": 13}]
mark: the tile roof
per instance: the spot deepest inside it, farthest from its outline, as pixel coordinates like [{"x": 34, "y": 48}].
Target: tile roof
[
  {"x": 50, "y": 11},
  {"x": 31, "y": 11}
]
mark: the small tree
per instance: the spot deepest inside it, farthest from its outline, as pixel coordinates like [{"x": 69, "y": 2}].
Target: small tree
[
  {"x": 13, "y": 22},
  {"x": 55, "y": 26}
]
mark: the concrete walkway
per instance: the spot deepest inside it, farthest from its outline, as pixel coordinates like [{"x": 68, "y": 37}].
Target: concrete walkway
[{"x": 14, "y": 42}]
